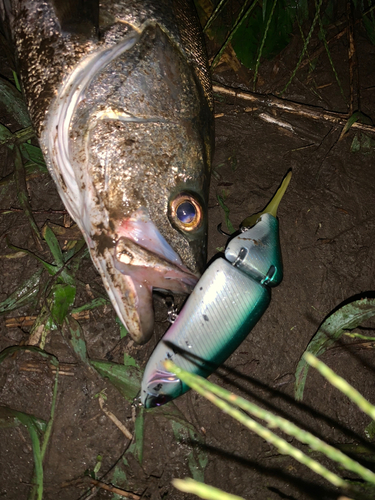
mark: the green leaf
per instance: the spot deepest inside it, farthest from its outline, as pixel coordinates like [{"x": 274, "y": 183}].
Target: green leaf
[
  {"x": 357, "y": 116},
  {"x": 53, "y": 245},
  {"x": 22, "y": 295},
  {"x": 30, "y": 422},
  {"x": 22, "y": 194},
  {"x": 34, "y": 425},
  {"x": 12, "y": 349},
  {"x": 220, "y": 199},
  {"x": 76, "y": 339},
  {"x": 123, "y": 330},
  {"x": 127, "y": 379},
  {"x": 33, "y": 154},
  {"x": 129, "y": 361},
  {"x": 136, "y": 446},
  {"x": 50, "y": 268},
  {"x": 100, "y": 301},
  {"x": 63, "y": 299},
  {"x": 13, "y": 418},
  {"x": 370, "y": 430},
  {"x": 347, "y": 317},
  {"x": 14, "y": 103},
  {"x": 370, "y": 28}
]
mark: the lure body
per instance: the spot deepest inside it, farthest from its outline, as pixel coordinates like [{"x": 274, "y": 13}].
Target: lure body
[{"x": 227, "y": 302}]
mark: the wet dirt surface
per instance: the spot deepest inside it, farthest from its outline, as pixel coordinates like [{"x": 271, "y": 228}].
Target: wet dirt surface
[{"x": 327, "y": 222}]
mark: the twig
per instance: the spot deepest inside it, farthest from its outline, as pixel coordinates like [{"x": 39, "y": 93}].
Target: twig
[
  {"x": 113, "y": 489},
  {"x": 114, "y": 419},
  {"x": 66, "y": 369},
  {"x": 50, "y": 211},
  {"x": 23, "y": 321},
  {"x": 312, "y": 112}
]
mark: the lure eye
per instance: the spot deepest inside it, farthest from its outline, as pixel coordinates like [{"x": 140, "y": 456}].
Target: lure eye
[{"x": 186, "y": 212}]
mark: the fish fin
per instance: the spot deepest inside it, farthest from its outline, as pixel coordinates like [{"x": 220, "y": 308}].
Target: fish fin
[
  {"x": 272, "y": 206},
  {"x": 78, "y": 17}
]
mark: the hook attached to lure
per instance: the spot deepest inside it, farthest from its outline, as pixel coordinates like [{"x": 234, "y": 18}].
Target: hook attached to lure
[{"x": 227, "y": 302}]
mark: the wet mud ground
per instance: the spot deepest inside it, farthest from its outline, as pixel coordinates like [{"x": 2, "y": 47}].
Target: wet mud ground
[{"x": 327, "y": 222}]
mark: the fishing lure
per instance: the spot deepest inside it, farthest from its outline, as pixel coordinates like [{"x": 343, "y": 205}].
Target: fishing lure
[{"x": 226, "y": 303}]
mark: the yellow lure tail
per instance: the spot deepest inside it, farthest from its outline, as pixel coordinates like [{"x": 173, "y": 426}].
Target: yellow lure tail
[{"x": 272, "y": 206}]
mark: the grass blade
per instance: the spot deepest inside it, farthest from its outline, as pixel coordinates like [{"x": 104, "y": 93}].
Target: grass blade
[
  {"x": 283, "y": 424},
  {"x": 342, "y": 385},
  {"x": 347, "y": 317},
  {"x": 220, "y": 199},
  {"x": 127, "y": 379},
  {"x": 202, "y": 490},
  {"x": 22, "y": 295},
  {"x": 281, "y": 444}
]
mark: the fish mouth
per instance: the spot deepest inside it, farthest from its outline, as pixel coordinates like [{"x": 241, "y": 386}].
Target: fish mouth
[
  {"x": 137, "y": 262},
  {"x": 151, "y": 269}
]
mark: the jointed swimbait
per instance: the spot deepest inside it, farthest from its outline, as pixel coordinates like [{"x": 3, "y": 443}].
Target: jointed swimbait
[{"x": 227, "y": 302}]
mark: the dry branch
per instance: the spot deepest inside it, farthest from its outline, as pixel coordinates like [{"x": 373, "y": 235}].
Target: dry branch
[
  {"x": 25, "y": 321},
  {"x": 113, "y": 489},
  {"x": 303, "y": 110}
]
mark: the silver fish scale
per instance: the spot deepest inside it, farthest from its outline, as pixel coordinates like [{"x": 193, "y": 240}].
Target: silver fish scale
[{"x": 46, "y": 55}]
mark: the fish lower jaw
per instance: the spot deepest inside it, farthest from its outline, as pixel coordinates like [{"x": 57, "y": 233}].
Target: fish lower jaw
[{"x": 130, "y": 288}]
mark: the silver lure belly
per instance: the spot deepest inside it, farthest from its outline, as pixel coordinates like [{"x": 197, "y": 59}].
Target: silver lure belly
[{"x": 218, "y": 315}]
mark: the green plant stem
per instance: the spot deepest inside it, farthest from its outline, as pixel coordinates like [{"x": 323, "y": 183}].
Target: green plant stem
[
  {"x": 202, "y": 490},
  {"x": 289, "y": 428},
  {"x": 18, "y": 137},
  {"x": 199, "y": 385},
  {"x": 316, "y": 17},
  {"x": 262, "y": 44},
  {"x": 355, "y": 335},
  {"x": 47, "y": 433},
  {"x": 323, "y": 35},
  {"x": 240, "y": 18},
  {"x": 214, "y": 14},
  {"x": 341, "y": 384}
]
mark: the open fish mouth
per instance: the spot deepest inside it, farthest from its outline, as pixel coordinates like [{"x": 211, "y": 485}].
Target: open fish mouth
[
  {"x": 149, "y": 268},
  {"x": 135, "y": 263}
]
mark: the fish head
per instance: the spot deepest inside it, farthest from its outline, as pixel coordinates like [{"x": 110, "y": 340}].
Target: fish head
[{"x": 129, "y": 137}]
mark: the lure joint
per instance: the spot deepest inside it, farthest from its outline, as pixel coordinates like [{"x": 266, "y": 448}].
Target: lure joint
[{"x": 172, "y": 310}]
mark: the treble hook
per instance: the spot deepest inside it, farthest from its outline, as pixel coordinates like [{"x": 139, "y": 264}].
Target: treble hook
[{"x": 221, "y": 231}]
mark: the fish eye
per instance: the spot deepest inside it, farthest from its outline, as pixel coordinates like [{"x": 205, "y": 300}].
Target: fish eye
[{"x": 186, "y": 212}]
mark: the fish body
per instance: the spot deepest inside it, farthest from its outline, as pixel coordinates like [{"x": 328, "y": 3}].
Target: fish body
[
  {"x": 120, "y": 98},
  {"x": 225, "y": 305}
]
